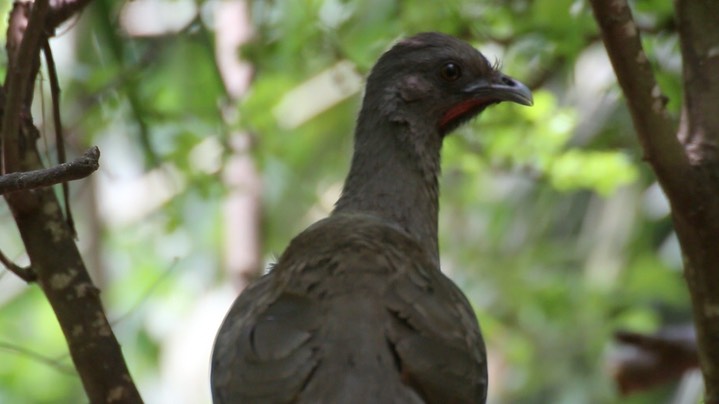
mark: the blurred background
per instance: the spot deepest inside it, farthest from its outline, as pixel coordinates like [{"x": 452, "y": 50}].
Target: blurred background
[{"x": 225, "y": 128}]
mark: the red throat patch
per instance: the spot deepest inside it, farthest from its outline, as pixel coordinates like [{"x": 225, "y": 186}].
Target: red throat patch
[{"x": 459, "y": 110}]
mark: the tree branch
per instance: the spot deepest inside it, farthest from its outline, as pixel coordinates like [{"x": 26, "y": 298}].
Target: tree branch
[
  {"x": 699, "y": 38},
  {"x": 25, "y": 274},
  {"x": 655, "y": 129},
  {"x": 79, "y": 168},
  {"x": 57, "y": 123},
  {"x": 52, "y": 363},
  {"x": 23, "y": 41},
  {"x": 686, "y": 163},
  {"x": 54, "y": 256},
  {"x": 698, "y": 228}
]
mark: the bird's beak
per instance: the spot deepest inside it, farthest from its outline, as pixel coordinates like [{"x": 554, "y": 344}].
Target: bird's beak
[{"x": 504, "y": 88}]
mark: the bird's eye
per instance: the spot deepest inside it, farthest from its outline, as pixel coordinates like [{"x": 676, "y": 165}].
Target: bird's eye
[{"x": 451, "y": 71}]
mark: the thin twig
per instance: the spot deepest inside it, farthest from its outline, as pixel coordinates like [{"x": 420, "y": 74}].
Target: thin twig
[
  {"x": 147, "y": 293},
  {"x": 53, "y": 363},
  {"x": 24, "y": 273},
  {"x": 79, "y": 168},
  {"x": 57, "y": 121}
]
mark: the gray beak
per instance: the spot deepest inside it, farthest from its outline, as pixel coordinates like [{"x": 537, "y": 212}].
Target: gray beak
[{"x": 503, "y": 89}]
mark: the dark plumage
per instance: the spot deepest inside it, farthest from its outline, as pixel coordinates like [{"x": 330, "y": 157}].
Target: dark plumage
[{"x": 356, "y": 309}]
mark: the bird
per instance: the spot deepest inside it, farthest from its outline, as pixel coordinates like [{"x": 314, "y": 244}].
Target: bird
[{"x": 357, "y": 309}]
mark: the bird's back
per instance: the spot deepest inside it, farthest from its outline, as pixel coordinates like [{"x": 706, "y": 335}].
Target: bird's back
[
  {"x": 357, "y": 309},
  {"x": 354, "y": 311}
]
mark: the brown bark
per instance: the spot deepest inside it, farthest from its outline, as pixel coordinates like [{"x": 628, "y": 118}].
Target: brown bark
[
  {"x": 685, "y": 159},
  {"x": 698, "y": 229},
  {"x": 79, "y": 168},
  {"x": 55, "y": 261}
]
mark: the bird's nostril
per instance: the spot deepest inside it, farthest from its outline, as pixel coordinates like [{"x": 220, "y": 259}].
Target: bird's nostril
[{"x": 508, "y": 81}]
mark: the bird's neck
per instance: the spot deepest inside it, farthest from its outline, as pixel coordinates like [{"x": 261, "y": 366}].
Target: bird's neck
[{"x": 394, "y": 177}]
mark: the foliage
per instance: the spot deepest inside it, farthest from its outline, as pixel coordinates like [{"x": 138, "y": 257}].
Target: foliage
[{"x": 547, "y": 221}]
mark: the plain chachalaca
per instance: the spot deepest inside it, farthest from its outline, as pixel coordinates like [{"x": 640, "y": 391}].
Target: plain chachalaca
[{"x": 356, "y": 309}]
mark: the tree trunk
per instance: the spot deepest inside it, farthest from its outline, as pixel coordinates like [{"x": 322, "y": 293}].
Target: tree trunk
[{"x": 685, "y": 159}]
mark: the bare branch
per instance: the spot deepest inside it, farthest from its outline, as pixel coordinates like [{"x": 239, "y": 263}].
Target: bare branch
[
  {"x": 54, "y": 256},
  {"x": 685, "y": 160},
  {"x": 25, "y": 273},
  {"x": 57, "y": 120},
  {"x": 23, "y": 40},
  {"x": 699, "y": 39},
  {"x": 79, "y": 168},
  {"x": 655, "y": 129},
  {"x": 698, "y": 228},
  {"x": 53, "y": 363}
]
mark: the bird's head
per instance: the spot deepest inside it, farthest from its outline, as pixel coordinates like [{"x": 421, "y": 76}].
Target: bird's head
[{"x": 438, "y": 81}]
